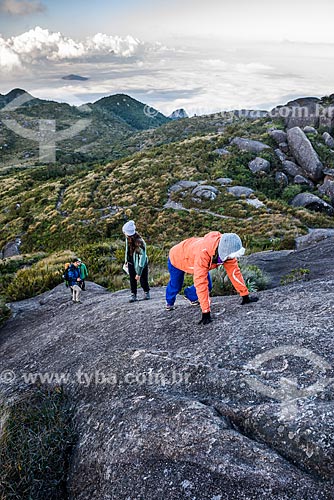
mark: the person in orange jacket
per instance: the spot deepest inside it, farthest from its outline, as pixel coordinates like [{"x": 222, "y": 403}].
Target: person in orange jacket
[{"x": 198, "y": 256}]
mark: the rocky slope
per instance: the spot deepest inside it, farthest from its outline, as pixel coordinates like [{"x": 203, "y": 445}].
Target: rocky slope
[
  {"x": 165, "y": 408},
  {"x": 316, "y": 260}
]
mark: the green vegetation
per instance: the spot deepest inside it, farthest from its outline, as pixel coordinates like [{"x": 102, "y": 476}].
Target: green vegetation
[
  {"x": 4, "y": 311},
  {"x": 68, "y": 209},
  {"x": 291, "y": 191},
  {"x": 255, "y": 280},
  {"x": 35, "y": 444},
  {"x": 300, "y": 274}
]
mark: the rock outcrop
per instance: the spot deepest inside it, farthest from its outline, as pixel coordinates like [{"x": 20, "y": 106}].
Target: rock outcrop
[
  {"x": 259, "y": 165},
  {"x": 291, "y": 168},
  {"x": 281, "y": 179},
  {"x": 312, "y": 202},
  {"x": 171, "y": 409},
  {"x": 240, "y": 191},
  {"x": 314, "y": 236},
  {"x": 314, "y": 253},
  {"x": 181, "y": 185},
  {"x": 301, "y": 112},
  {"x": 310, "y": 130},
  {"x": 178, "y": 114},
  {"x": 11, "y": 249},
  {"x": 221, "y": 151},
  {"x": 249, "y": 145},
  {"x": 329, "y": 141},
  {"x": 280, "y": 155},
  {"x": 279, "y": 136},
  {"x": 205, "y": 192},
  {"x": 224, "y": 181},
  {"x": 327, "y": 188},
  {"x": 304, "y": 154}
]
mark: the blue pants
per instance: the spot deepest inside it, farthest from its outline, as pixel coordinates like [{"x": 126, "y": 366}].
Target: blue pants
[
  {"x": 175, "y": 285},
  {"x": 190, "y": 291}
]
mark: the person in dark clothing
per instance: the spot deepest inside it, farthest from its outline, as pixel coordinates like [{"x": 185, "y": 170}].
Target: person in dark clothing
[
  {"x": 136, "y": 260},
  {"x": 74, "y": 280}
]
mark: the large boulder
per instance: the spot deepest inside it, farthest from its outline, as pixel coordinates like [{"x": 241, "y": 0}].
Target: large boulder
[
  {"x": 280, "y": 155},
  {"x": 301, "y": 112},
  {"x": 249, "y": 145},
  {"x": 315, "y": 256},
  {"x": 174, "y": 205},
  {"x": 181, "y": 185},
  {"x": 291, "y": 168},
  {"x": 259, "y": 165},
  {"x": 206, "y": 192},
  {"x": 239, "y": 191},
  {"x": 278, "y": 135},
  {"x": 327, "y": 188},
  {"x": 11, "y": 249},
  {"x": 283, "y": 146},
  {"x": 329, "y": 141},
  {"x": 224, "y": 181},
  {"x": 310, "y": 130},
  {"x": 281, "y": 179},
  {"x": 255, "y": 203},
  {"x": 178, "y": 114},
  {"x": 313, "y": 237},
  {"x": 221, "y": 151},
  {"x": 312, "y": 202},
  {"x": 327, "y": 117},
  {"x": 304, "y": 153}
]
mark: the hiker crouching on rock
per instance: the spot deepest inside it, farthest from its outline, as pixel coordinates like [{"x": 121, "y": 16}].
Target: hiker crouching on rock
[
  {"x": 136, "y": 260},
  {"x": 74, "y": 280},
  {"x": 198, "y": 256}
]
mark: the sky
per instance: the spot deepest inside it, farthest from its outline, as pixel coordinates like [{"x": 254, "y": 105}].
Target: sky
[{"x": 202, "y": 56}]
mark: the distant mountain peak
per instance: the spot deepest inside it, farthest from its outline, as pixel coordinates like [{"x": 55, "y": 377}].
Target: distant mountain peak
[
  {"x": 75, "y": 77},
  {"x": 136, "y": 114},
  {"x": 15, "y": 93},
  {"x": 178, "y": 114},
  {"x": 16, "y": 98}
]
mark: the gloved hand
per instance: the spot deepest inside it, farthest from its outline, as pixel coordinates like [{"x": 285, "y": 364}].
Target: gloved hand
[
  {"x": 247, "y": 300},
  {"x": 206, "y": 319}
]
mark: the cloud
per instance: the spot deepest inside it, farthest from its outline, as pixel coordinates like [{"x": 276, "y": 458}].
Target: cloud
[
  {"x": 253, "y": 68},
  {"x": 40, "y": 44},
  {"x": 8, "y": 58},
  {"x": 21, "y": 7},
  {"x": 106, "y": 44}
]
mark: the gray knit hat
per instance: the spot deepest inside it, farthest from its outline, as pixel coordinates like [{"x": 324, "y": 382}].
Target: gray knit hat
[{"x": 230, "y": 245}]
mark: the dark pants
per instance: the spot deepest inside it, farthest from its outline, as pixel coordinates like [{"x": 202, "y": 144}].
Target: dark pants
[
  {"x": 83, "y": 285},
  {"x": 143, "y": 279}
]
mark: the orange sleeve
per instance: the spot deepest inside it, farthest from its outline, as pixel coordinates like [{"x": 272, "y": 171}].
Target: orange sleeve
[
  {"x": 233, "y": 272},
  {"x": 201, "y": 269}
]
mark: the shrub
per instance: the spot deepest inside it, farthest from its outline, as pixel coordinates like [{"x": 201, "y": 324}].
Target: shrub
[
  {"x": 4, "y": 311},
  {"x": 31, "y": 282},
  {"x": 290, "y": 192},
  {"x": 254, "y": 278},
  {"x": 35, "y": 443},
  {"x": 300, "y": 274}
]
